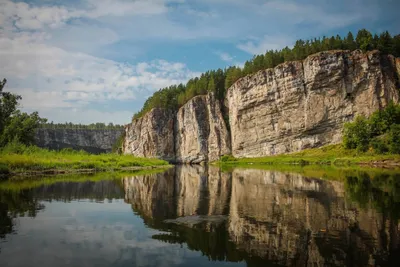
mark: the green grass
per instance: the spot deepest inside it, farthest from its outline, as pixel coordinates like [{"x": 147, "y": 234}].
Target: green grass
[
  {"x": 16, "y": 158},
  {"x": 333, "y": 155}
]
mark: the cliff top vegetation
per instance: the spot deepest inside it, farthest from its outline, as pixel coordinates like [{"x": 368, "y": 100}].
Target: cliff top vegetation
[
  {"x": 218, "y": 81},
  {"x": 92, "y": 126}
]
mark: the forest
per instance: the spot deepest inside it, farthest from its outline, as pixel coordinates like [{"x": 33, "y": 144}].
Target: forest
[{"x": 218, "y": 81}]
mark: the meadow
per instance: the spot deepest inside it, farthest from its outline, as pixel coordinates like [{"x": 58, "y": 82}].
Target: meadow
[{"x": 17, "y": 158}]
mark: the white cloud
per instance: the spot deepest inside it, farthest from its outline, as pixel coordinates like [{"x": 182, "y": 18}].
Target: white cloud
[
  {"x": 224, "y": 56},
  {"x": 260, "y": 46},
  {"x": 51, "y": 79},
  {"x": 28, "y": 17}
]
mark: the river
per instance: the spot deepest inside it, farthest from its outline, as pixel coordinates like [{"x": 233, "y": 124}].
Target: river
[{"x": 203, "y": 216}]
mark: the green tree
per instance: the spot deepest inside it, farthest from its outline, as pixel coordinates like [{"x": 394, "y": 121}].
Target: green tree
[
  {"x": 349, "y": 42},
  {"x": 357, "y": 134},
  {"x": 394, "y": 139},
  {"x": 364, "y": 40},
  {"x": 14, "y": 124}
]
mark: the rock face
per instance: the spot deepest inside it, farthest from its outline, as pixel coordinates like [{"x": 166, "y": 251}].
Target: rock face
[
  {"x": 151, "y": 136},
  {"x": 303, "y": 104},
  {"x": 201, "y": 134},
  {"x": 197, "y": 133},
  {"x": 294, "y": 106},
  {"x": 93, "y": 141}
]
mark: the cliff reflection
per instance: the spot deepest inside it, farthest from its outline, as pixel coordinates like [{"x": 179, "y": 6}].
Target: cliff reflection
[
  {"x": 274, "y": 217},
  {"x": 265, "y": 218}
]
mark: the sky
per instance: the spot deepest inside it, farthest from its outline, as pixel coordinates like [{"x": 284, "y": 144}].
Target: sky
[{"x": 98, "y": 60}]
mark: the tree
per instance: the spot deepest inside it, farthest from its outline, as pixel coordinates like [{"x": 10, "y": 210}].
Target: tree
[
  {"x": 14, "y": 124},
  {"x": 385, "y": 44},
  {"x": 357, "y": 134},
  {"x": 364, "y": 40},
  {"x": 350, "y": 43}
]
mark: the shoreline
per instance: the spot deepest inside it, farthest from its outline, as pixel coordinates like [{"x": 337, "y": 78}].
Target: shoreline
[
  {"x": 332, "y": 155},
  {"x": 51, "y": 172}
]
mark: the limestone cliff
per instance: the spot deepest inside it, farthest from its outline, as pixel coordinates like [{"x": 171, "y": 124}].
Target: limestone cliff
[
  {"x": 294, "y": 106},
  {"x": 93, "y": 141},
  {"x": 304, "y": 104},
  {"x": 201, "y": 134},
  {"x": 151, "y": 136},
  {"x": 196, "y": 133}
]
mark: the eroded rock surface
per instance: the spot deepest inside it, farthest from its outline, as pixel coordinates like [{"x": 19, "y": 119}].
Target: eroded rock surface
[
  {"x": 303, "y": 104},
  {"x": 201, "y": 134},
  {"x": 93, "y": 141},
  {"x": 151, "y": 136}
]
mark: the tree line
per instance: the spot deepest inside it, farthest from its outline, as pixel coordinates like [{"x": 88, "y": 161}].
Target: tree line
[
  {"x": 92, "y": 126},
  {"x": 218, "y": 81}
]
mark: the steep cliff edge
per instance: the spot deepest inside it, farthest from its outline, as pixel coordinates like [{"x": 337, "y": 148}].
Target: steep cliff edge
[
  {"x": 93, "y": 141},
  {"x": 195, "y": 134},
  {"x": 151, "y": 136},
  {"x": 200, "y": 132},
  {"x": 303, "y": 104},
  {"x": 294, "y": 106}
]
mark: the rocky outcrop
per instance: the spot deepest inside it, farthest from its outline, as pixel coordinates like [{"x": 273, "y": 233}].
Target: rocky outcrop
[
  {"x": 201, "y": 134},
  {"x": 303, "y": 104},
  {"x": 294, "y": 106},
  {"x": 197, "y": 133},
  {"x": 151, "y": 136},
  {"x": 93, "y": 141}
]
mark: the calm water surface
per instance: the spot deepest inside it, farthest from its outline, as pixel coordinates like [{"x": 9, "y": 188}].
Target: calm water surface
[{"x": 244, "y": 217}]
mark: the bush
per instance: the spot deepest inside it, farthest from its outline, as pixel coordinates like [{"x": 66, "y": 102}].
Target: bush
[
  {"x": 357, "y": 134},
  {"x": 226, "y": 158},
  {"x": 394, "y": 139},
  {"x": 380, "y": 132},
  {"x": 380, "y": 145}
]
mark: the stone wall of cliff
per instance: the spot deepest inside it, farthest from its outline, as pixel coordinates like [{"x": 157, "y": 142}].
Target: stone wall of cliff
[
  {"x": 92, "y": 141},
  {"x": 294, "y": 106},
  {"x": 196, "y": 133},
  {"x": 303, "y": 104},
  {"x": 151, "y": 136}
]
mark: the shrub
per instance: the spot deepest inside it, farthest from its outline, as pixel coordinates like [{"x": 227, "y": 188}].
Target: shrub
[
  {"x": 357, "y": 134},
  {"x": 394, "y": 139},
  {"x": 379, "y": 145},
  {"x": 226, "y": 158}
]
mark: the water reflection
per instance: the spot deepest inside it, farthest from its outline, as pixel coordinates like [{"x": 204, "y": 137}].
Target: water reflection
[{"x": 272, "y": 218}]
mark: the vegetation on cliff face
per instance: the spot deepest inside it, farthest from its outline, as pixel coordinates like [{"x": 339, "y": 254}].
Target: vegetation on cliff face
[
  {"x": 218, "y": 81},
  {"x": 379, "y": 133}
]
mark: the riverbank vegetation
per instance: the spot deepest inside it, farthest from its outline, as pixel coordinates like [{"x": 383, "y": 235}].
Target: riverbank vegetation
[
  {"x": 16, "y": 158},
  {"x": 368, "y": 141},
  {"x": 336, "y": 155},
  {"x": 218, "y": 81}
]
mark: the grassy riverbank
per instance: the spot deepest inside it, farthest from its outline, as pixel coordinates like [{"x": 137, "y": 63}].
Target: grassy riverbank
[
  {"x": 20, "y": 159},
  {"x": 334, "y": 155}
]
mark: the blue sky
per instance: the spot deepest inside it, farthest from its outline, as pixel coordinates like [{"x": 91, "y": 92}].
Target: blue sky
[{"x": 98, "y": 60}]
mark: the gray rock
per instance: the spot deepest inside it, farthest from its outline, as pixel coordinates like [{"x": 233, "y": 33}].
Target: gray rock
[{"x": 93, "y": 141}]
